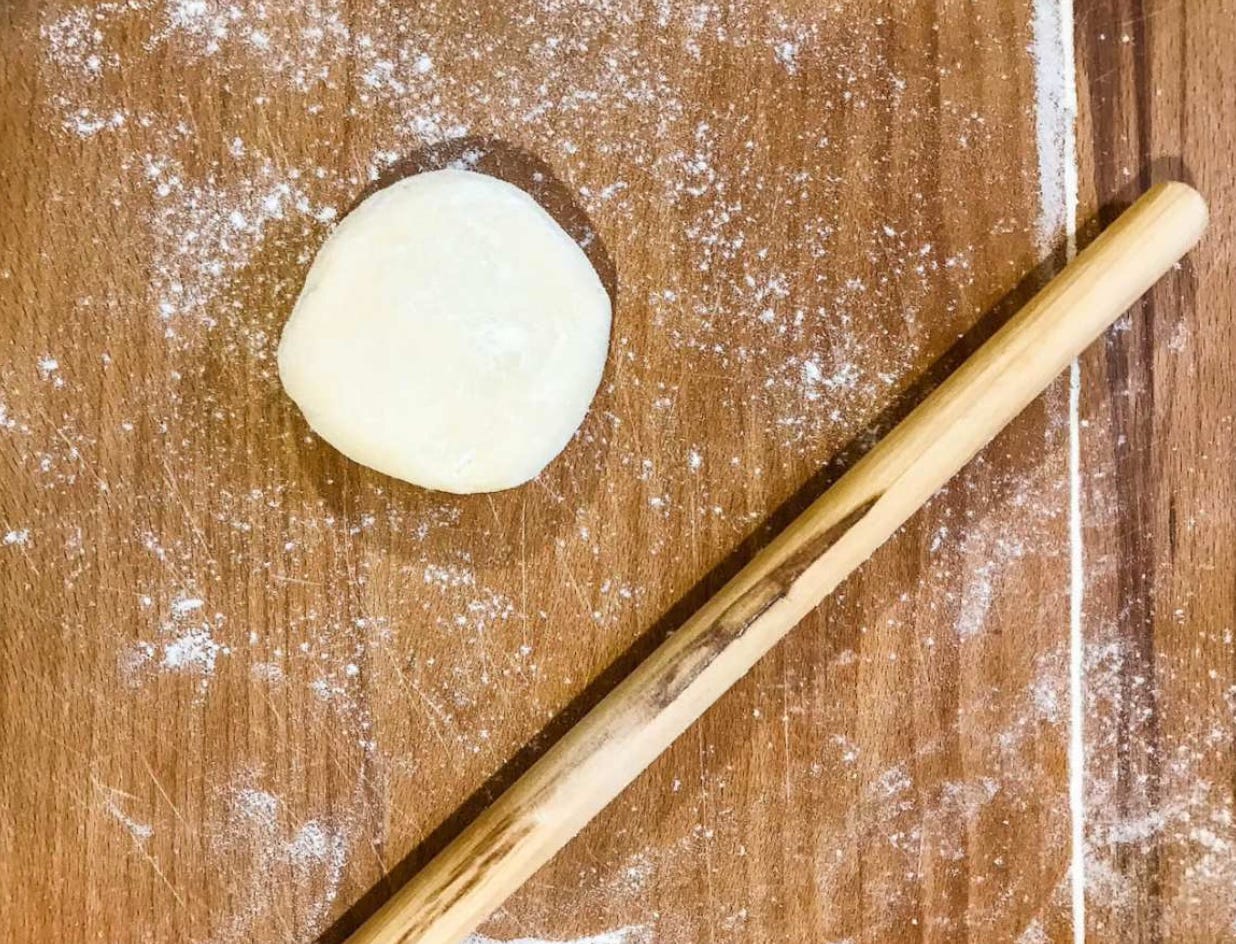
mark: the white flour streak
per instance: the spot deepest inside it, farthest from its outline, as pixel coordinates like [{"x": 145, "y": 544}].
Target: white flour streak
[
  {"x": 139, "y": 831},
  {"x": 1055, "y": 126},
  {"x": 632, "y": 934},
  {"x": 186, "y": 605},
  {"x": 18, "y": 536},
  {"x": 1055, "y": 89}
]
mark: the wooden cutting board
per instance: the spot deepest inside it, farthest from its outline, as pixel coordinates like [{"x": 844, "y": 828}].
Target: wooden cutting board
[{"x": 247, "y": 687}]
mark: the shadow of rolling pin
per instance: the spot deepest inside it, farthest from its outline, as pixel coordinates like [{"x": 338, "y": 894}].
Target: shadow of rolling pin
[{"x": 640, "y": 718}]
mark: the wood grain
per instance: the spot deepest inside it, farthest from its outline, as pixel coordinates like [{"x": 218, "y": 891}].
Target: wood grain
[
  {"x": 866, "y": 173},
  {"x": 1156, "y": 89},
  {"x": 701, "y": 660}
]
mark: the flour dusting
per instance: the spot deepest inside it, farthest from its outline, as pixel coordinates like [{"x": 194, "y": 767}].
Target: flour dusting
[
  {"x": 352, "y": 659},
  {"x": 273, "y": 844},
  {"x": 418, "y": 634},
  {"x": 627, "y": 935}
]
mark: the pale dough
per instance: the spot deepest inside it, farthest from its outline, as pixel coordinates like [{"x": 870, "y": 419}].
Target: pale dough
[{"x": 449, "y": 333}]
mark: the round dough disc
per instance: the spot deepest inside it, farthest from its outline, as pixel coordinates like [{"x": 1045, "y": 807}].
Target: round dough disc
[{"x": 449, "y": 333}]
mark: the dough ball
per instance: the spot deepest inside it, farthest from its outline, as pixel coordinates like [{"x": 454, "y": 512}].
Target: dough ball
[{"x": 449, "y": 333}]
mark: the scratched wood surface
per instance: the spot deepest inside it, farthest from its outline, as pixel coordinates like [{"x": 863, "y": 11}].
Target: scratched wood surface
[
  {"x": 1157, "y": 100},
  {"x": 246, "y": 686}
]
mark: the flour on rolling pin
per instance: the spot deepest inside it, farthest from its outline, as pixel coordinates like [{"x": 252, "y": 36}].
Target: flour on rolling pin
[{"x": 799, "y": 356}]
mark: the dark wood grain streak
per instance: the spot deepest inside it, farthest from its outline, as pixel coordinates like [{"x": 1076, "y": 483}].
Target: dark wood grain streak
[
  {"x": 495, "y": 839},
  {"x": 1157, "y": 101},
  {"x": 1130, "y": 367},
  {"x": 737, "y": 618}
]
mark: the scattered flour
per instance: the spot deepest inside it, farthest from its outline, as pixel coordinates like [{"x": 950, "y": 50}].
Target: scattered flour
[
  {"x": 1034, "y": 933},
  {"x": 186, "y": 605},
  {"x": 195, "y": 650},
  {"x": 628, "y": 935},
  {"x": 753, "y": 316},
  {"x": 277, "y": 848},
  {"x": 185, "y": 643}
]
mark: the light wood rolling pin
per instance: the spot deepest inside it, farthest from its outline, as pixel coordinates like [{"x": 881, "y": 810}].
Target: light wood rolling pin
[{"x": 623, "y": 734}]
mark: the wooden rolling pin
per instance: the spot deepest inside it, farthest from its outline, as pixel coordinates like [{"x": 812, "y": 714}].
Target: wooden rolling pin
[{"x": 622, "y": 735}]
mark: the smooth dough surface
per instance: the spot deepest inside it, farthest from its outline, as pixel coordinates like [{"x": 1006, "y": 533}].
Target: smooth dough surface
[{"x": 449, "y": 333}]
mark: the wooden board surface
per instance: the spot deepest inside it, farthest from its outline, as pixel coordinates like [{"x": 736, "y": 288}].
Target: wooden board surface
[
  {"x": 246, "y": 686},
  {"x": 1157, "y": 100}
]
